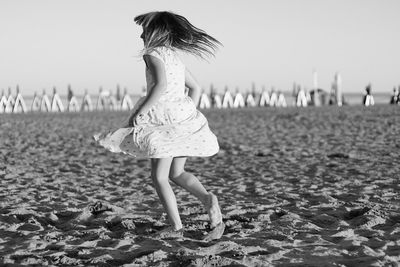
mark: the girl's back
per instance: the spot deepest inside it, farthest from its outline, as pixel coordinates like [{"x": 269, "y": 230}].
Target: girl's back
[{"x": 174, "y": 72}]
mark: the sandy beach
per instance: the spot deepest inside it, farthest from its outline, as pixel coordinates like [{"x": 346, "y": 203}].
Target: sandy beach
[{"x": 298, "y": 187}]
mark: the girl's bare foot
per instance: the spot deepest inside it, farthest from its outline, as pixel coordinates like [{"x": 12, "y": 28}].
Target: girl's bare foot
[
  {"x": 215, "y": 233},
  {"x": 213, "y": 210}
]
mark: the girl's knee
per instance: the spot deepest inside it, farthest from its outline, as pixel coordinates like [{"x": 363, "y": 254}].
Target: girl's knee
[
  {"x": 159, "y": 178},
  {"x": 177, "y": 168},
  {"x": 173, "y": 175}
]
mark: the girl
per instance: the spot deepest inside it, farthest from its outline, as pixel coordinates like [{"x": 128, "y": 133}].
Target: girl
[{"x": 165, "y": 125}]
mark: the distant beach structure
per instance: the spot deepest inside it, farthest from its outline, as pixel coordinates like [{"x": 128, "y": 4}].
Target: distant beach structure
[
  {"x": 238, "y": 101},
  {"x": 86, "y": 102},
  {"x": 72, "y": 101},
  {"x": 204, "y": 101},
  {"x": 113, "y": 102},
  {"x": 10, "y": 102},
  {"x": 250, "y": 101},
  {"x": 273, "y": 98},
  {"x": 215, "y": 98},
  {"x": 336, "y": 97},
  {"x": 101, "y": 103},
  {"x": 264, "y": 98},
  {"x": 45, "y": 105},
  {"x": 227, "y": 100},
  {"x": 3, "y": 102},
  {"x": 301, "y": 98},
  {"x": 368, "y": 99},
  {"x": 56, "y": 103},
  {"x": 35, "y": 106},
  {"x": 281, "y": 102},
  {"x": 126, "y": 103},
  {"x": 19, "y": 105}
]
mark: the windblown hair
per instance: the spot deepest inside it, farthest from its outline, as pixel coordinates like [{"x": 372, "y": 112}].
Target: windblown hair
[{"x": 169, "y": 29}]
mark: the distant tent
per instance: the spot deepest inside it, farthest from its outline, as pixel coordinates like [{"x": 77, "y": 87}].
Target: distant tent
[
  {"x": 35, "y": 106},
  {"x": 238, "y": 101},
  {"x": 10, "y": 102},
  {"x": 3, "y": 103},
  {"x": 264, "y": 99},
  {"x": 19, "y": 105},
  {"x": 73, "y": 104},
  {"x": 126, "y": 103},
  {"x": 56, "y": 103},
  {"x": 45, "y": 102},
  {"x": 227, "y": 100},
  {"x": 86, "y": 102},
  {"x": 251, "y": 96},
  {"x": 112, "y": 103},
  {"x": 204, "y": 101},
  {"x": 281, "y": 101},
  {"x": 101, "y": 103},
  {"x": 217, "y": 101},
  {"x": 301, "y": 98},
  {"x": 72, "y": 101},
  {"x": 273, "y": 100},
  {"x": 250, "y": 102}
]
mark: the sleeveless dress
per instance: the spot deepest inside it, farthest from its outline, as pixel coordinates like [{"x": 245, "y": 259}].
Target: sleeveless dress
[{"x": 172, "y": 127}]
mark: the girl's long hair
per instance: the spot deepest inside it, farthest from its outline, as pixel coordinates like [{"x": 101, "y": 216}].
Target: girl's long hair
[{"x": 169, "y": 29}]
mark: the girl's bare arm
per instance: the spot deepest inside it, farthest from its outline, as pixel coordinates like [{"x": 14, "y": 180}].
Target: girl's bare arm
[
  {"x": 157, "y": 70},
  {"x": 194, "y": 87}
]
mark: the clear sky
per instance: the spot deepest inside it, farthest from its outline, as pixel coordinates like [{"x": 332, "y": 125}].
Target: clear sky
[{"x": 92, "y": 43}]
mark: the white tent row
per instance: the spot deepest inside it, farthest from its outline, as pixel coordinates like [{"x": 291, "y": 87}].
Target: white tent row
[
  {"x": 301, "y": 99},
  {"x": 239, "y": 101},
  {"x": 11, "y": 105},
  {"x": 105, "y": 101},
  {"x": 42, "y": 103}
]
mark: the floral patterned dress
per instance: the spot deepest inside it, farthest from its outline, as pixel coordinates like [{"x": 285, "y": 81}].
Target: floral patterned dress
[{"x": 173, "y": 127}]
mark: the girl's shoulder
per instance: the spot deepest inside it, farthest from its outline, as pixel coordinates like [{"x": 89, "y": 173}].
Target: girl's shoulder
[
  {"x": 161, "y": 52},
  {"x": 155, "y": 52}
]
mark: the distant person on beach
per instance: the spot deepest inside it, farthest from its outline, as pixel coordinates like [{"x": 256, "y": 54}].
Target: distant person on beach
[
  {"x": 368, "y": 98},
  {"x": 70, "y": 94},
  {"x": 398, "y": 96},
  {"x": 395, "y": 97},
  {"x": 165, "y": 125}
]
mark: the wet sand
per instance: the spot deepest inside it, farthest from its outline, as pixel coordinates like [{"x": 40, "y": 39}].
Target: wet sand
[{"x": 298, "y": 187}]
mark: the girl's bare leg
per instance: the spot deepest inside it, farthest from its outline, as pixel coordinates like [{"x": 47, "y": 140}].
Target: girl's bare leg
[
  {"x": 190, "y": 182},
  {"x": 187, "y": 180},
  {"x": 159, "y": 173}
]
